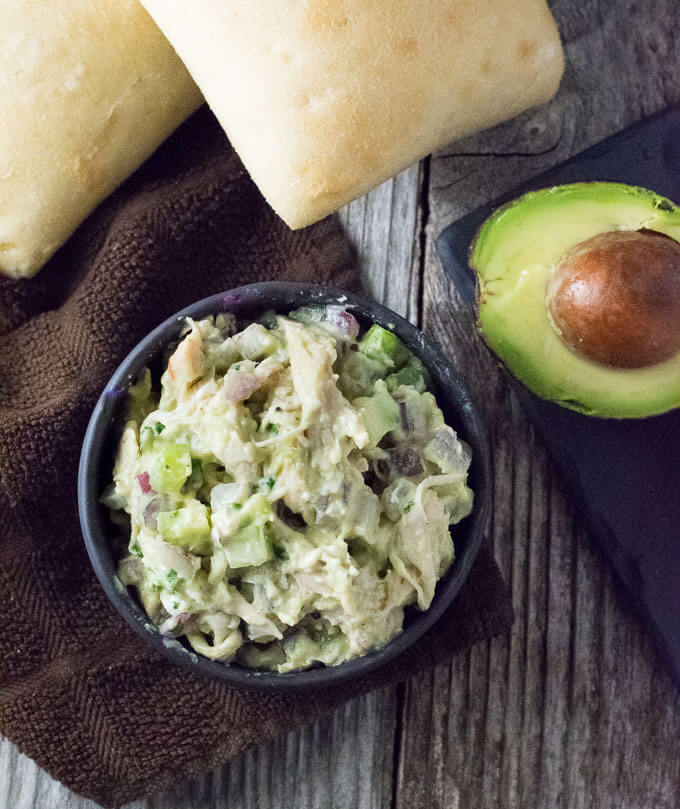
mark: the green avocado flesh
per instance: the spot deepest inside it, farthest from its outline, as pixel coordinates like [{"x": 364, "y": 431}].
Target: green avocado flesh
[{"x": 515, "y": 253}]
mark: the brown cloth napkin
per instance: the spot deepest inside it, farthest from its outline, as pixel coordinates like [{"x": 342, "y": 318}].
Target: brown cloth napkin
[{"x": 79, "y": 691}]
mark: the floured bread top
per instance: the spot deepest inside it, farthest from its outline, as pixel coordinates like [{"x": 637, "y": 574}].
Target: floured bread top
[
  {"x": 324, "y": 99},
  {"x": 88, "y": 90}
]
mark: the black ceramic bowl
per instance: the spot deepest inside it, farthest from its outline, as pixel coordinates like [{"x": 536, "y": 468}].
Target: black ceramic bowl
[{"x": 248, "y": 302}]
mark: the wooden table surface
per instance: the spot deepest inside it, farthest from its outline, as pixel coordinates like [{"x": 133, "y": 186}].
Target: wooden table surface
[{"x": 572, "y": 709}]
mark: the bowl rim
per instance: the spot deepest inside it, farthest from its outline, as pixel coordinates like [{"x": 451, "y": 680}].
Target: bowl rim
[{"x": 258, "y": 298}]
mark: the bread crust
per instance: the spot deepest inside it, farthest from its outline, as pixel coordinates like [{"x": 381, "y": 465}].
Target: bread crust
[
  {"x": 325, "y": 99},
  {"x": 88, "y": 90}
]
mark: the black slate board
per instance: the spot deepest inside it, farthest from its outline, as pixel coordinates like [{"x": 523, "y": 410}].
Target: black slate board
[{"x": 625, "y": 473}]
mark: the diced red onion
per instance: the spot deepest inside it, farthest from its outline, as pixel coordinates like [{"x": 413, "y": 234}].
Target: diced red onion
[
  {"x": 403, "y": 413},
  {"x": 412, "y": 417},
  {"x": 224, "y": 495},
  {"x": 145, "y": 483},
  {"x": 156, "y": 504},
  {"x": 406, "y": 460},
  {"x": 165, "y": 556},
  {"x": 290, "y": 518},
  {"x": 239, "y": 385},
  {"x": 150, "y": 511},
  {"x": 341, "y": 319},
  {"x": 446, "y": 444}
]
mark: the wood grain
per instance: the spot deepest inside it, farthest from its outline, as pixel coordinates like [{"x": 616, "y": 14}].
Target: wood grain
[
  {"x": 385, "y": 228},
  {"x": 573, "y": 709},
  {"x": 345, "y": 759}
]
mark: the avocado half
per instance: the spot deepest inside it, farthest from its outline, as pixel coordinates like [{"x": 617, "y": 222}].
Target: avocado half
[{"x": 514, "y": 256}]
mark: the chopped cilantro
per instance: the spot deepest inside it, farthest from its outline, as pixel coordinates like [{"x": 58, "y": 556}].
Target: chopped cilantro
[
  {"x": 173, "y": 578},
  {"x": 137, "y": 550},
  {"x": 280, "y": 552},
  {"x": 175, "y": 605},
  {"x": 237, "y": 506},
  {"x": 266, "y": 483},
  {"x": 273, "y": 429},
  {"x": 158, "y": 427},
  {"x": 408, "y": 506}
]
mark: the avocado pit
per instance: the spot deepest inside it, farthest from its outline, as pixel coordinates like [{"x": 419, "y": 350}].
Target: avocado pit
[{"x": 615, "y": 298}]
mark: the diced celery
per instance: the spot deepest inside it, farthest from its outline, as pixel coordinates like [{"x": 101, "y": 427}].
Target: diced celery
[
  {"x": 358, "y": 373},
  {"x": 256, "y": 342},
  {"x": 408, "y": 375},
  {"x": 380, "y": 413},
  {"x": 257, "y": 509},
  {"x": 190, "y": 520},
  {"x": 249, "y": 546},
  {"x": 187, "y": 527},
  {"x": 307, "y": 314},
  {"x": 384, "y": 346},
  {"x": 170, "y": 468}
]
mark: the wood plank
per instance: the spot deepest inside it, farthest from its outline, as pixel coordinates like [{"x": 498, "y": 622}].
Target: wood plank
[
  {"x": 573, "y": 709},
  {"x": 345, "y": 761},
  {"x": 385, "y": 228}
]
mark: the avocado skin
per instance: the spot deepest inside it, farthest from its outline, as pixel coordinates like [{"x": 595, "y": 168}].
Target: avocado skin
[{"x": 513, "y": 256}]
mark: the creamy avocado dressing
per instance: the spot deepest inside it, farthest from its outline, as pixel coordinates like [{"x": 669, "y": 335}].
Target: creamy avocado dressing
[{"x": 289, "y": 489}]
